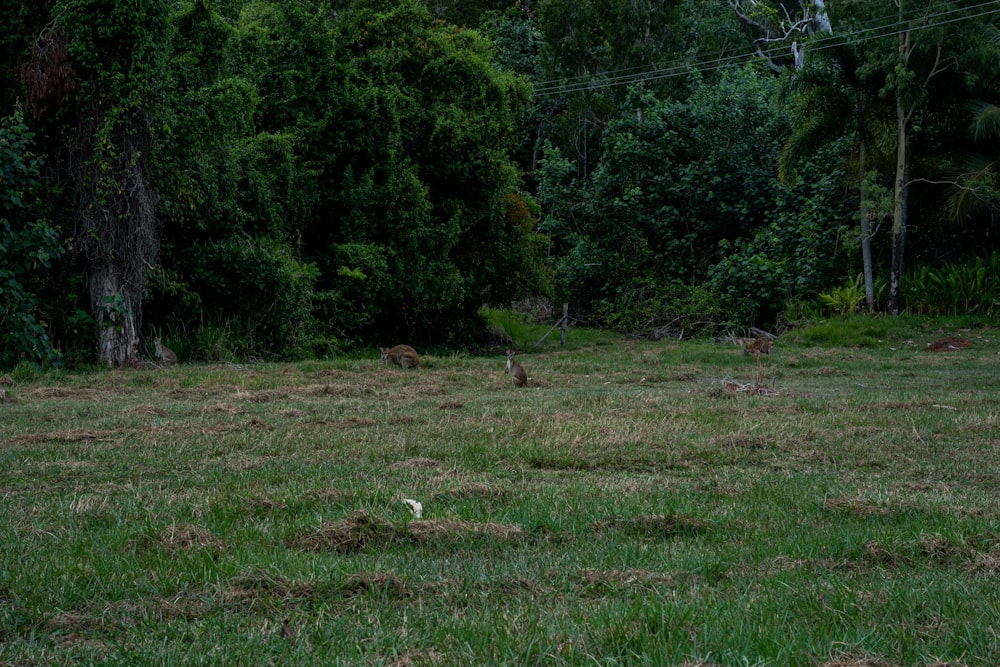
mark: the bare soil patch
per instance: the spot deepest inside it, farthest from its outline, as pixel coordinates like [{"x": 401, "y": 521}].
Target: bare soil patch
[
  {"x": 414, "y": 463},
  {"x": 362, "y": 530},
  {"x": 70, "y": 435},
  {"x": 654, "y": 525},
  {"x": 185, "y": 538},
  {"x": 148, "y": 410},
  {"x": 949, "y": 344}
]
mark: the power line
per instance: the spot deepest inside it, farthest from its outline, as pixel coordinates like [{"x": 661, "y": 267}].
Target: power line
[{"x": 876, "y": 29}]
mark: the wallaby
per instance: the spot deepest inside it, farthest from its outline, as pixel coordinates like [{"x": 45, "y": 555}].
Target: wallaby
[
  {"x": 403, "y": 356},
  {"x": 760, "y": 345},
  {"x": 164, "y": 353},
  {"x": 516, "y": 371}
]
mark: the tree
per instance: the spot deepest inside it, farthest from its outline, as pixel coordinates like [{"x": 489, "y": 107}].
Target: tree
[
  {"x": 417, "y": 231},
  {"x": 93, "y": 77},
  {"x": 926, "y": 50},
  {"x": 783, "y": 24},
  {"x": 667, "y": 190},
  {"x": 28, "y": 245},
  {"x": 831, "y": 100}
]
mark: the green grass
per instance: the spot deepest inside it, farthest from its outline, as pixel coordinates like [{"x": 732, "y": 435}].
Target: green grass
[{"x": 639, "y": 503}]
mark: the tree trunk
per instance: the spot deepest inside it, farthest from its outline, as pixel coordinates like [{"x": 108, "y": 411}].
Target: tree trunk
[
  {"x": 115, "y": 308},
  {"x": 899, "y": 199},
  {"x": 866, "y": 232}
]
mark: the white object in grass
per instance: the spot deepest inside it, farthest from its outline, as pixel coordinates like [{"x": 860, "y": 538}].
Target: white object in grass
[{"x": 415, "y": 508}]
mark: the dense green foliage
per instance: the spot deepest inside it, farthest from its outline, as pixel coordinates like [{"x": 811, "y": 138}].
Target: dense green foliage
[
  {"x": 28, "y": 245},
  {"x": 254, "y": 178}
]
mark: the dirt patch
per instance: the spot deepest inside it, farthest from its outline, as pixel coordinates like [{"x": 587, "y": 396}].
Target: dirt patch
[
  {"x": 362, "y": 531},
  {"x": 854, "y": 660},
  {"x": 405, "y": 419},
  {"x": 418, "y": 657},
  {"x": 427, "y": 530},
  {"x": 71, "y": 435},
  {"x": 475, "y": 490},
  {"x": 822, "y": 371},
  {"x": 335, "y": 390},
  {"x": 986, "y": 563},
  {"x": 61, "y": 392},
  {"x": 417, "y": 463},
  {"x": 594, "y": 576},
  {"x": 265, "y": 396},
  {"x": 148, "y": 410},
  {"x": 329, "y": 494},
  {"x": 742, "y": 441},
  {"x": 426, "y": 389},
  {"x": 655, "y": 525},
  {"x": 222, "y": 408},
  {"x": 949, "y": 344},
  {"x": 259, "y": 424},
  {"x": 855, "y": 506},
  {"x": 333, "y": 373},
  {"x": 351, "y": 535},
  {"x": 185, "y": 538}
]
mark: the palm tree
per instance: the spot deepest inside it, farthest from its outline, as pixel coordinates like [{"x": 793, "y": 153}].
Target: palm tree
[
  {"x": 978, "y": 186},
  {"x": 834, "y": 100}
]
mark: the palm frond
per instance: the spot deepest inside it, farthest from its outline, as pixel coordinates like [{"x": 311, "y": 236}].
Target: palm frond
[{"x": 985, "y": 121}]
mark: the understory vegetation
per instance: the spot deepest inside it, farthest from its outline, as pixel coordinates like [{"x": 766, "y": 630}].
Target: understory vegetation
[
  {"x": 269, "y": 180},
  {"x": 671, "y": 502}
]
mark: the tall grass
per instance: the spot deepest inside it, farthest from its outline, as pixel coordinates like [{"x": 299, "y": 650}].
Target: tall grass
[{"x": 631, "y": 506}]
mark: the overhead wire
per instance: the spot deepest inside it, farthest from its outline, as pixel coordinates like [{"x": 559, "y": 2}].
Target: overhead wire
[{"x": 877, "y": 29}]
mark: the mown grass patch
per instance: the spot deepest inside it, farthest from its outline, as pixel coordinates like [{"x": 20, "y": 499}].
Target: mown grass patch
[{"x": 625, "y": 508}]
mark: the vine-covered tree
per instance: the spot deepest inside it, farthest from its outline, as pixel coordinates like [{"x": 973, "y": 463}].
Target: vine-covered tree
[{"x": 91, "y": 81}]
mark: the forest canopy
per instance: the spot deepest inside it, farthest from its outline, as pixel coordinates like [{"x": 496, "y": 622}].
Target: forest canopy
[{"x": 275, "y": 180}]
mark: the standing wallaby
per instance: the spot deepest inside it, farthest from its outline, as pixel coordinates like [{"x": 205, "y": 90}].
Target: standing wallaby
[
  {"x": 403, "y": 356},
  {"x": 760, "y": 345},
  {"x": 164, "y": 353},
  {"x": 516, "y": 371}
]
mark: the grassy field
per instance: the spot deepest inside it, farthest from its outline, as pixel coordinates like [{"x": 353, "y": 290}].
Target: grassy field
[{"x": 661, "y": 503}]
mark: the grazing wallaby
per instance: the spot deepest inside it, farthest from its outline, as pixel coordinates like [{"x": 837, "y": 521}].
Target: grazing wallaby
[
  {"x": 164, "y": 353},
  {"x": 516, "y": 371},
  {"x": 760, "y": 345},
  {"x": 403, "y": 356}
]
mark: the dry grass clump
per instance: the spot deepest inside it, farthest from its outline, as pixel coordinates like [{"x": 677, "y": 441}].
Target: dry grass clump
[
  {"x": 416, "y": 463},
  {"x": 363, "y": 530},
  {"x": 69, "y": 435},
  {"x": 851, "y": 660},
  {"x": 148, "y": 410},
  {"x": 631, "y": 576},
  {"x": 855, "y": 506},
  {"x": 949, "y": 344},
  {"x": 185, "y": 538},
  {"x": 430, "y": 529},
  {"x": 652, "y": 525},
  {"x": 473, "y": 490},
  {"x": 350, "y": 535},
  {"x": 413, "y": 658},
  {"x": 222, "y": 408}
]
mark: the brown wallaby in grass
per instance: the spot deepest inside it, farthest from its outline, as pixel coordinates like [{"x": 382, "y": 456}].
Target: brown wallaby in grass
[
  {"x": 516, "y": 371},
  {"x": 164, "y": 353},
  {"x": 760, "y": 345},
  {"x": 403, "y": 356}
]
